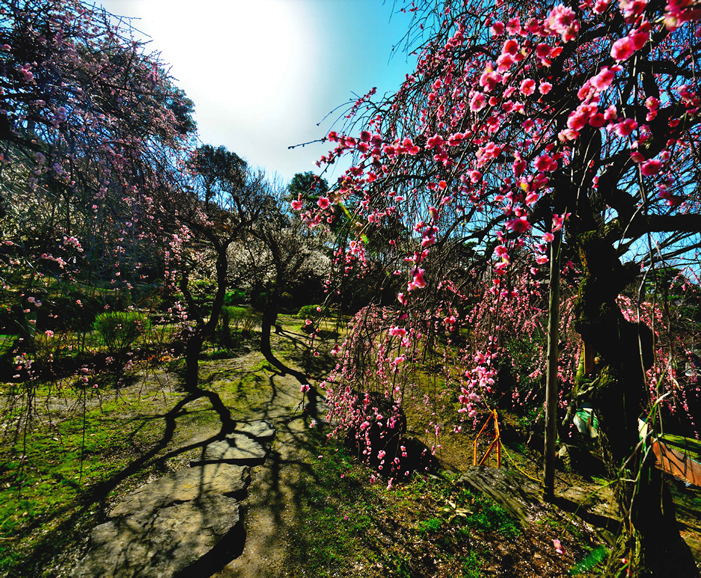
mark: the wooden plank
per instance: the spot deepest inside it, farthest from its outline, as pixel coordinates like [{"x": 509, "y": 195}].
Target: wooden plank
[{"x": 677, "y": 463}]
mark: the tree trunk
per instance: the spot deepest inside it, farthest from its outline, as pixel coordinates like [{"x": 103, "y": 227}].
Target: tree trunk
[
  {"x": 204, "y": 329},
  {"x": 270, "y": 312},
  {"x": 649, "y": 544}
]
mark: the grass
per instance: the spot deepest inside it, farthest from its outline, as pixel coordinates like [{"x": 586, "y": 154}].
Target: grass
[
  {"x": 60, "y": 473},
  {"x": 354, "y": 524}
]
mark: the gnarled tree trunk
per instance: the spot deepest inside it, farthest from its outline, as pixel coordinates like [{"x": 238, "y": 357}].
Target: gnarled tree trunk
[{"x": 650, "y": 543}]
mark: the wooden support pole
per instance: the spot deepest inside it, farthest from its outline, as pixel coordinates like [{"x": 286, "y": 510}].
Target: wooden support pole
[{"x": 552, "y": 363}]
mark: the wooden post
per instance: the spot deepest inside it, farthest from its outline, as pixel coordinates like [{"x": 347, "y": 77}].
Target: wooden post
[{"x": 552, "y": 362}]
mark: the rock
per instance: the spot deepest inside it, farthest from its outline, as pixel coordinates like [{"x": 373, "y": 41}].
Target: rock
[
  {"x": 694, "y": 545},
  {"x": 183, "y": 486},
  {"x": 168, "y": 542},
  {"x": 511, "y": 490},
  {"x": 598, "y": 508},
  {"x": 261, "y": 430},
  {"x": 236, "y": 449}
]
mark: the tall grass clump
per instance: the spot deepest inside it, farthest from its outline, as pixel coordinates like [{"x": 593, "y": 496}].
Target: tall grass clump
[{"x": 119, "y": 330}]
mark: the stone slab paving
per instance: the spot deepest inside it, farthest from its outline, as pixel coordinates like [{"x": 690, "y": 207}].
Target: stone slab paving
[
  {"x": 237, "y": 448},
  {"x": 184, "y": 485},
  {"x": 160, "y": 545},
  {"x": 261, "y": 430},
  {"x": 179, "y": 523}
]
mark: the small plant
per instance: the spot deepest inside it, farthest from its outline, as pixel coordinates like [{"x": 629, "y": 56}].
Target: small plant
[
  {"x": 592, "y": 560},
  {"x": 120, "y": 329},
  {"x": 471, "y": 566},
  {"x": 430, "y": 526},
  {"x": 248, "y": 322},
  {"x": 491, "y": 517},
  {"x": 231, "y": 317}
]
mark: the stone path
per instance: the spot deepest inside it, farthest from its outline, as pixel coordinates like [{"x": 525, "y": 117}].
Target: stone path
[
  {"x": 272, "y": 508},
  {"x": 186, "y": 523}
]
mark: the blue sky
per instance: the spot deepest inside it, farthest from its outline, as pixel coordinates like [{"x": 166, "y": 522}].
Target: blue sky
[{"x": 264, "y": 73}]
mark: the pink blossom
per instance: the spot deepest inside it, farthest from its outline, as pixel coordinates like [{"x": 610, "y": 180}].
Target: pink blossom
[
  {"x": 531, "y": 199},
  {"x": 611, "y": 113},
  {"x": 632, "y": 8},
  {"x": 510, "y": 47},
  {"x": 435, "y": 141},
  {"x": 497, "y": 28},
  {"x": 305, "y": 388},
  {"x": 418, "y": 281},
  {"x": 49, "y": 333},
  {"x": 297, "y": 205},
  {"x": 513, "y": 26},
  {"x": 637, "y": 157},
  {"x": 543, "y": 50},
  {"x": 545, "y": 87},
  {"x": 548, "y": 237},
  {"x": 562, "y": 21},
  {"x": 489, "y": 78},
  {"x": 623, "y": 49},
  {"x": 527, "y": 86},
  {"x": 558, "y": 546},
  {"x": 519, "y": 225},
  {"x": 652, "y": 103},
  {"x": 578, "y": 118},
  {"x": 501, "y": 251},
  {"x": 504, "y": 62},
  {"x": 651, "y": 167},
  {"x": 545, "y": 163},
  {"x": 639, "y": 38},
  {"x": 518, "y": 166},
  {"x": 603, "y": 80},
  {"x": 455, "y": 139},
  {"x": 558, "y": 220},
  {"x": 597, "y": 120},
  {"x": 625, "y": 128},
  {"x": 478, "y": 102},
  {"x": 397, "y": 331},
  {"x": 323, "y": 202},
  {"x": 541, "y": 259},
  {"x": 401, "y": 298}
]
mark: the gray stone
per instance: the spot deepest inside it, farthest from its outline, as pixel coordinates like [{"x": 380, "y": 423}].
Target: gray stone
[
  {"x": 162, "y": 544},
  {"x": 600, "y": 503},
  {"x": 261, "y": 430},
  {"x": 183, "y": 486},
  {"x": 236, "y": 448}
]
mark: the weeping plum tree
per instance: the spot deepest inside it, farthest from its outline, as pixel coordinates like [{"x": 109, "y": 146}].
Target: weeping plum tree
[
  {"x": 523, "y": 121},
  {"x": 90, "y": 125}
]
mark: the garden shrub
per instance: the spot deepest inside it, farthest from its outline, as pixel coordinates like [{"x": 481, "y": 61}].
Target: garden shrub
[
  {"x": 120, "y": 329},
  {"x": 313, "y": 312},
  {"x": 235, "y": 297}
]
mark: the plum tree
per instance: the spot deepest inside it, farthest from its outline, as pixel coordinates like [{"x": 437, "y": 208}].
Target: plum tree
[{"x": 523, "y": 121}]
